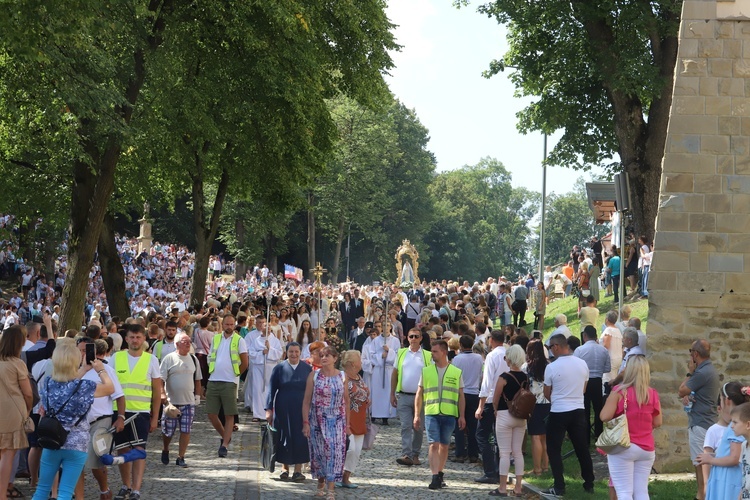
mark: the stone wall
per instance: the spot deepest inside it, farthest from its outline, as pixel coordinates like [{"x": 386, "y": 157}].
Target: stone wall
[{"x": 699, "y": 284}]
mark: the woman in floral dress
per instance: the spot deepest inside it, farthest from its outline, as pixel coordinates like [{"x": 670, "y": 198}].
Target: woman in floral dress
[{"x": 326, "y": 406}]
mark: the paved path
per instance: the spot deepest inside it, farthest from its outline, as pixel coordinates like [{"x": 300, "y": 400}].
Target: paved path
[{"x": 379, "y": 477}]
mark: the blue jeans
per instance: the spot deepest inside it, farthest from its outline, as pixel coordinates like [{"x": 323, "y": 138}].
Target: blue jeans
[
  {"x": 439, "y": 428},
  {"x": 72, "y": 463}
]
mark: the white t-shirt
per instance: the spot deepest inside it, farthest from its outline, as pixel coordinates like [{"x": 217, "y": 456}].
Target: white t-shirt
[
  {"x": 153, "y": 368},
  {"x": 223, "y": 371},
  {"x": 411, "y": 370},
  {"x": 713, "y": 436},
  {"x": 103, "y": 405},
  {"x": 567, "y": 376}
]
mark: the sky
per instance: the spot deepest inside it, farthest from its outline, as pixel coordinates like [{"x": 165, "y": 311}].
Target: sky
[{"x": 438, "y": 73}]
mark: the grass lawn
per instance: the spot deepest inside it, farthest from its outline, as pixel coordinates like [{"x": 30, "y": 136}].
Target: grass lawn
[
  {"x": 569, "y": 307},
  {"x": 658, "y": 489}
]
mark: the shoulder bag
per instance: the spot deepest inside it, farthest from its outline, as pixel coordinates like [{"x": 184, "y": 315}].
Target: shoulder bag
[
  {"x": 616, "y": 437},
  {"x": 52, "y": 434}
]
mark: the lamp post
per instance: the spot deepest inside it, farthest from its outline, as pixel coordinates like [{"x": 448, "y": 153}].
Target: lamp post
[
  {"x": 544, "y": 210},
  {"x": 544, "y": 194},
  {"x": 348, "y": 243}
]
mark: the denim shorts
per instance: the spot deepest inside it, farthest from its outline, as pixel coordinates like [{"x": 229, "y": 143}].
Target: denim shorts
[{"x": 439, "y": 428}]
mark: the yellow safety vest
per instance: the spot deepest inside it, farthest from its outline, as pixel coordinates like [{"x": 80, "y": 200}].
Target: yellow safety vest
[
  {"x": 135, "y": 385},
  {"x": 234, "y": 352},
  {"x": 437, "y": 401},
  {"x": 426, "y": 355}
]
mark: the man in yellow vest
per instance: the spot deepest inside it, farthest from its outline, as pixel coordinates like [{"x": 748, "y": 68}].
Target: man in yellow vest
[
  {"x": 404, "y": 384},
  {"x": 227, "y": 358},
  {"x": 441, "y": 394},
  {"x": 140, "y": 378}
]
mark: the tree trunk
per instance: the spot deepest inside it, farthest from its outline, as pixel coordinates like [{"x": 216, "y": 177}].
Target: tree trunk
[
  {"x": 272, "y": 259},
  {"x": 89, "y": 199},
  {"x": 113, "y": 274},
  {"x": 337, "y": 252},
  {"x": 310, "y": 235},
  {"x": 240, "y": 267},
  {"x": 205, "y": 228},
  {"x": 91, "y": 192}
]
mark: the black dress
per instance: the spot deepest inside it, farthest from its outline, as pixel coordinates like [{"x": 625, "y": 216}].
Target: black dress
[{"x": 285, "y": 394}]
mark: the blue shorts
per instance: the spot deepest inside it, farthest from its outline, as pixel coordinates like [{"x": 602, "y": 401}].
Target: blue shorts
[{"x": 439, "y": 428}]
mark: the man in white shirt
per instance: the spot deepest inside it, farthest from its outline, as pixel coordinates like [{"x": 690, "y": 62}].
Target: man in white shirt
[
  {"x": 226, "y": 360},
  {"x": 404, "y": 384},
  {"x": 565, "y": 382},
  {"x": 561, "y": 327},
  {"x": 470, "y": 364},
  {"x": 494, "y": 366}
]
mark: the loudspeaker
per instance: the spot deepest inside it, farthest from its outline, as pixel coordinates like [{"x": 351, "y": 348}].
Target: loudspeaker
[{"x": 622, "y": 192}]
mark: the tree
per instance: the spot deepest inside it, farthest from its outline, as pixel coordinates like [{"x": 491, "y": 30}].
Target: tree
[
  {"x": 482, "y": 226},
  {"x": 85, "y": 77},
  {"x": 602, "y": 70}
]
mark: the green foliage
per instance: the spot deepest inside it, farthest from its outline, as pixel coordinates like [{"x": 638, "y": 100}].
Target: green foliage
[
  {"x": 482, "y": 226},
  {"x": 562, "y": 61}
]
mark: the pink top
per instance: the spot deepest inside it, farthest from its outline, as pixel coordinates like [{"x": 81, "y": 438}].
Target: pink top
[{"x": 640, "y": 418}]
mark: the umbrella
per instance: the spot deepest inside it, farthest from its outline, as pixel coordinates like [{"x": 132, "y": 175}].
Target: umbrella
[{"x": 268, "y": 443}]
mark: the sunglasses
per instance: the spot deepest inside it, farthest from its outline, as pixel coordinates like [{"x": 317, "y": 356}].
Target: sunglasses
[{"x": 415, "y": 336}]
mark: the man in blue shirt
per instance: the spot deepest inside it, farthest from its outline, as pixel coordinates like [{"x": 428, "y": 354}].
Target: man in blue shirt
[{"x": 597, "y": 358}]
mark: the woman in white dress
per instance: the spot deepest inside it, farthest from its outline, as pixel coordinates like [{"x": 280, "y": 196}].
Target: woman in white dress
[
  {"x": 305, "y": 337},
  {"x": 302, "y": 315},
  {"x": 288, "y": 327}
]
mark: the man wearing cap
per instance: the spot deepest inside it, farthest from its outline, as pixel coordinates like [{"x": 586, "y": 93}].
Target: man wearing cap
[{"x": 404, "y": 384}]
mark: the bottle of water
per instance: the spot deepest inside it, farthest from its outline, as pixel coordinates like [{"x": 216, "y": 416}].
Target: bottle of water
[{"x": 689, "y": 406}]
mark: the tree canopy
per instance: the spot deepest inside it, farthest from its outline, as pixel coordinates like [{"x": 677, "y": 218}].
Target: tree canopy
[{"x": 601, "y": 71}]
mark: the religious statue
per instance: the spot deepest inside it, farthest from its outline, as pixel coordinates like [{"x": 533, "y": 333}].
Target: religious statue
[{"x": 407, "y": 264}]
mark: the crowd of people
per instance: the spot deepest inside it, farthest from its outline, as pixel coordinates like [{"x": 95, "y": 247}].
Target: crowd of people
[{"x": 446, "y": 359}]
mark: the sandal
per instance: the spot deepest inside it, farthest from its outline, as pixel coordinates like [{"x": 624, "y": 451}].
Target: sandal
[
  {"x": 284, "y": 476},
  {"x": 14, "y": 492},
  {"x": 331, "y": 495}
]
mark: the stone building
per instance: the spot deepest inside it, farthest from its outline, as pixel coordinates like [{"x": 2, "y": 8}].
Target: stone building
[{"x": 699, "y": 283}]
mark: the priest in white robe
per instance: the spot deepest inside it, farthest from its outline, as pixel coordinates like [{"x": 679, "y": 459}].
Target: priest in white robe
[
  {"x": 264, "y": 352},
  {"x": 382, "y": 355}
]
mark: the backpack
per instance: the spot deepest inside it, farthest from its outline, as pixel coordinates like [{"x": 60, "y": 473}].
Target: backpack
[{"x": 523, "y": 403}]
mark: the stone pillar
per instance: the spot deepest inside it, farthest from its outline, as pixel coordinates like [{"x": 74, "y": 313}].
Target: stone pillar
[
  {"x": 145, "y": 239},
  {"x": 699, "y": 286}
]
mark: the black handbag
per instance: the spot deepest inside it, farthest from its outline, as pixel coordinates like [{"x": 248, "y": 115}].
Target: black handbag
[
  {"x": 51, "y": 433},
  {"x": 268, "y": 446}
]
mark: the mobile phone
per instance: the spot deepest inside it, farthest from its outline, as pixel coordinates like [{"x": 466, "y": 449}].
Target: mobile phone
[{"x": 90, "y": 353}]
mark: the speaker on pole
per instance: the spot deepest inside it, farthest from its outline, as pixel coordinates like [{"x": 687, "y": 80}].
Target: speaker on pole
[{"x": 622, "y": 192}]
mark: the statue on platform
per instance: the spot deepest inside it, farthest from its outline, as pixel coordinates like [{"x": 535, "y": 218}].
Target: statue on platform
[
  {"x": 145, "y": 239},
  {"x": 407, "y": 264}
]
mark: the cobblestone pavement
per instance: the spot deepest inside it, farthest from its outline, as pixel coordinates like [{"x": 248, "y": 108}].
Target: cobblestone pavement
[
  {"x": 379, "y": 477},
  {"x": 207, "y": 475},
  {"x": 239, "y": 477}
]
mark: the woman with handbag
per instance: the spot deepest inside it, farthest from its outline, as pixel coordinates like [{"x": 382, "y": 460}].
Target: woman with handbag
[
  {"x": 67, "y": 398},
  {"x": 16, "y": 401},
  {"x": 629, "y": 467},
  {"x": 509, "y": 430},
  {"x": 359, "y": 401}
]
